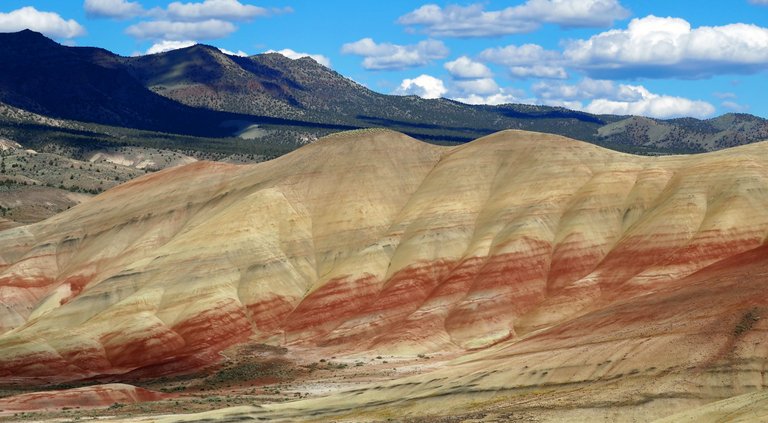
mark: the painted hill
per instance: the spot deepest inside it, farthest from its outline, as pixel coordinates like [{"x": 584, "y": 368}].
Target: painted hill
[{"x": 563, "y": 266}]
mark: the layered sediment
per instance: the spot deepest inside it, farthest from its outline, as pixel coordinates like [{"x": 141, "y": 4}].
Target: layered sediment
[{"x": 542, "y": 253}]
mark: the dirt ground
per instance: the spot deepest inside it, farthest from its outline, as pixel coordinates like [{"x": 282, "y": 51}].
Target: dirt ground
[{"x": 251, "y": 374}]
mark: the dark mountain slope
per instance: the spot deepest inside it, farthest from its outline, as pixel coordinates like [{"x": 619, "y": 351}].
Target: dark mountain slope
[
  {"x": 89, "y": 85},
  {"x": 274, "y": 85}
]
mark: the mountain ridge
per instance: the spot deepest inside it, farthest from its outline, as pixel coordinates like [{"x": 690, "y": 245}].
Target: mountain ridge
[{"x": 198, "y": 90}]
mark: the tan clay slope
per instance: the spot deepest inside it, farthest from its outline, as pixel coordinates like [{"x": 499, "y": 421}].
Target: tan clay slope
[
  {"x": 365, "y": 241},
  {"x": 679, "y": 350},
  {"x": 746, "y": 408}
]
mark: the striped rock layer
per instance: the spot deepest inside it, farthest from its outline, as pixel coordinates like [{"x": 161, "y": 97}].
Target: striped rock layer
[
  {"x": 368, "y": 241},
  {"x": 84, "y": 397}
]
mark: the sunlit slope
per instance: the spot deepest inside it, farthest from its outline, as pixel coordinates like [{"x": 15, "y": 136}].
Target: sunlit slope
[
  {"x": 365, "y": 241},
  {"x": 694, "y": 351}
]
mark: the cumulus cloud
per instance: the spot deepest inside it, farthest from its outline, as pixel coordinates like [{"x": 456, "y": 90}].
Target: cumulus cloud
[
  {"x": 231, "y": 10},
  {"x": 657, "y": 47},
  {"x": 466, "y": 21},
  {"x": 526, "y": 54},
  {"x": 168, "y": 45},
  {"x": 48, "y": 23},
  {"x": 539, "y": 71},
  {"x": 574, "y": 13},
  {"x": 179, "y": 31},
  {"x": 292, "y": 54},
  {"x": 734, "y": 106},
  {"x": 504, "y": 96},
  {"x": 233, "y": 53},
  {"x": 653, "y": 105},
  {"x": 180, "y": 21},
  {"x": 527, "y": 61},
  {"x": 424, "y": 86},
  {"x": 387, "y": 56},
  {"x": 117, "y": 9},
  {"x": 466, "y": 68},
  {"x": 605, "y": 97},
  {"x": 474, "y": 21},
  {"x": 725, "y": 95},
  {"x": 586, "y": 89},
  {"x": 228, "y": 10},
  {"x": 472, "y": 84},
  {"x": 481, "y": 86},
  {"x": 729, "y": 101}
]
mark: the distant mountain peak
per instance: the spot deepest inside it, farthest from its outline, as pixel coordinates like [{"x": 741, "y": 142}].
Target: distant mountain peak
[
  {"x": 203, "y": 47},
  {"x": 26, "y": 37},
  {"x": 193, "y": 49},
  {"x": 307, "y": 59},
  {"x": 27, "y": 33}
]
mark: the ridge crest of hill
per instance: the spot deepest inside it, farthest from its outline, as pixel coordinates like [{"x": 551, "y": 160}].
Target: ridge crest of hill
[{"x": 352, "y": 216}]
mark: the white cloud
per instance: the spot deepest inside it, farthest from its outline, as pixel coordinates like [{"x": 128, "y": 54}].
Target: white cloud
[
  {"x": 466, "y": 21},
  {"x": 527, "y": 61},
  {"x": 228, "y": 10},
  {"x": 734, "y": 106},
  {"x": 48, "y": 23},
  {"x": 473, "y": 84},
  {"x": 292, "y": 54},
  {"x": 480, "y": 90},
  {"x": 231, "y": 10},
  {"x": 537, "y": 71},
  {"x": 167, "y": 45},
  {"x": 526, "y": 54},
  {"x": 233, "y": 53},
  {"x": 585, "y": 89},
  {"x": 387, "y": 56},
  {"x": 481, "y": 86},
  {"x": 502, "y": 97},
  {"x": 605, "y": 97},
  {"x": 179, "y": 31},
  {"x": 568, "y": 104},
  {"x": 180, "y": 21},
  {"x": 474, "y": 21},
  {"x": 118, "y": 9},
  {"x": 760, "y": 2},
  {"x": 281, "y": 10},
  {"x": 725, "y": 95},
  {"x": 729, "y": 102},
  {"x": 424, "y": 86},
  {"x": 653, "y": 105},
  {"x": 664, "y": 47},
  {"x": 466, "y": 68},
  {"x": 574, "y": 13}
]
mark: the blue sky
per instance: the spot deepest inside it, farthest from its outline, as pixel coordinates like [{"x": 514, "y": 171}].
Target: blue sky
[{"x": 663, "y": 59}]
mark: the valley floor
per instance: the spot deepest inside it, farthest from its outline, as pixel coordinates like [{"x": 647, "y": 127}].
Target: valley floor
[{"x": 249, "y": 375}]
